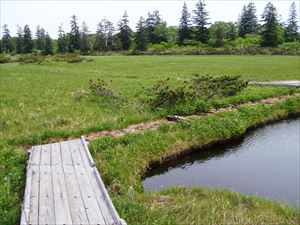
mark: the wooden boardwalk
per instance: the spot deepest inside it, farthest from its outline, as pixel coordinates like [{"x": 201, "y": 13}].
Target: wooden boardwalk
[{"x": 63, "y": 187}]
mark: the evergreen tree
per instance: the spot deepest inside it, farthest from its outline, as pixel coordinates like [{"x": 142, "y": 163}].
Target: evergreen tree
[
  {"x": 125, "y": 32},
  {"x": 232, "y": 31},
  {"x": 48, "y": 49},
  {"x": 1, "y": 51},
  {"x": 62, "y": 41},
  {"x": 270, "y": 27},
  {"x": 291, "y": 30},
  {"x": 100, "y": 39},
  {"x": 19, "y": 40},
  {"x": 85, "y": 42},
  {"x": 141, "y": 36},
  {"x": 6, "y": 43},
  {"x": 74, "y": 35},
  {"x": 184, "y": 31},
  {"x": 200, "y": 21},
  {"x": 109, "y": 35},
  {"x": 248, "y": 20},
  {"x": 155, "y": 25},
  {"x": 27, "y": 40},
  {"x": 40, "y": 37}
]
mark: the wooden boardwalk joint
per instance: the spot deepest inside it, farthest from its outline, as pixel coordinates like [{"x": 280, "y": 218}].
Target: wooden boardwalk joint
[{"x": 63, "y": 187}]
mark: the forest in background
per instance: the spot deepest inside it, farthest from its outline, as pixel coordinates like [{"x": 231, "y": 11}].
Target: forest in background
[{"x": 194, "y": 35}]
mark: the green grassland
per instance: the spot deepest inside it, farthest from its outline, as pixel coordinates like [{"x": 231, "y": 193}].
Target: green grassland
[{"x": 38, "y": 103}]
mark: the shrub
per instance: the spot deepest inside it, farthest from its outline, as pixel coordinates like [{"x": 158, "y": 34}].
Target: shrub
[
  {"x": 4, "y": 58},
  {"x": 102, "y": 93},
  {"x": 193, "y": 95}
]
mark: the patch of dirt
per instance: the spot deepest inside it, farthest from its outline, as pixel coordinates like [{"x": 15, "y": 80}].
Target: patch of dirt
[{"x": 154, "y": 124}]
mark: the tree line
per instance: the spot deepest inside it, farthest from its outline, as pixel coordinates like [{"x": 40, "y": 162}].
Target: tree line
[{"x": 194, "y": 29}]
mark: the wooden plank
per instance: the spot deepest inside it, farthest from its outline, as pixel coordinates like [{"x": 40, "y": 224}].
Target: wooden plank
[
  {"x": 46, "y": 199},
  {"x": 77, "y": 207},
  {"x": 35, "y": 155},
  {"x": 89, "y": 165},
  {"x": 55, "y": 154},
  {"x": 45, "y": 155},
  {"x": 65, "y": 153},
  {"x": 34, "y": 194},
  {"x": 26, "y": 199},
  {"x": 112, "y": 209},
  {"x": 61, "y": 202},
  {"x": 89, "y": 199}
]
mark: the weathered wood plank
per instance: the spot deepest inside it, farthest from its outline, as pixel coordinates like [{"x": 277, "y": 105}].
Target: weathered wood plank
[
  {"x": 65, "y": 153},
  {"x": 26, "y": 199},
  {"x": 45, "y": 155},
  {"x": 35, "y": 155},
  {"x": 34, "y": 195},
  {"x": 61, "y": 202},
  {"x": 89, "y": 166},
  {"x": 55, "y": 154},
  {"x": 77, "y": 207},
  {"x": 92, "y": 209},
  {"x": 46, "y": 199}
]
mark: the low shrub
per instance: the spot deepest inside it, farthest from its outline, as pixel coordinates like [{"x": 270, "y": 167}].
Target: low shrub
[
  {"x": 4, "y": 58},
  {"x": 101, "y": 92},
  {"x": 193, "y": 95}
]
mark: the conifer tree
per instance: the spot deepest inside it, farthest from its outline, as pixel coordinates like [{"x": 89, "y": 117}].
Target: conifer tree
[
  {"x": 40, "y": 37},
  {"x": 200, "y": 21},
  {"x": 48, "y": 49},
  {"x": 6, "y": 43},
  {"x": 270, "y": 27},
  {"x": 141, "y": 36},
  {"x": 19, "y": 40},
  {"x": 74, "y": 35},
  {"x": 248, "y": 20},
  {"x": 184, "y": 31},
  {"x": 125, "y": 32},
  {"x": 27, "y": 40},
  {"x": 155, "y": 28},
  {"x": 62, "y": 41},
  {"x": 100, "y": 38},
  {"x": 291, "y": 30},
  {"x": 109, "y": 28},
  {"x": 85, "y": 42}
]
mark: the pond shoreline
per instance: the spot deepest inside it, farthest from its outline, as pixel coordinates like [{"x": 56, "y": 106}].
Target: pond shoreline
[{"x": 215, "y": 143}]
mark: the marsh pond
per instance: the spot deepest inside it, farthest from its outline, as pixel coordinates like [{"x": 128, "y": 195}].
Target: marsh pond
[{"x": 265, "y": 163}]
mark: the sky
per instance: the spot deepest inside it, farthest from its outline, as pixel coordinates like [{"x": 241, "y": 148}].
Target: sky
[{"x": 50, "y": 14}]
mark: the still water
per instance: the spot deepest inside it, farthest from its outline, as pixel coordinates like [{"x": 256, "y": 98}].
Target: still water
[{"x": 264, "y": 163}]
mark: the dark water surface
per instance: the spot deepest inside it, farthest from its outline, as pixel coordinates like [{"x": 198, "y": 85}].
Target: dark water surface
[{"x": 264, "y": 163}]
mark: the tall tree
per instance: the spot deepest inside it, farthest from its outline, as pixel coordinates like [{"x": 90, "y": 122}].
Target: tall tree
[
  {"x": 40, "y": 37},
  {"x": 85, "y": 42},
  {"x": 270, "y": 27},
  {"x": 291, "y": 30},
  {"x": 6, "y": 43},
  {"x": 48, "y": 49},
  {"x": 184, "y": 31},
  {"x": 62, "y": 41},
  {"x": 125, "y": 32},
  {"x": 19, "y": 40},
  {"x": 100, "y": 38},
  {"x": 109, "y": 28},
  {"x": 248, "y": 20},
  {"x": 74, "y": 36},
  {"x": 141, "y": 36},
  {"x": 156, "y": 28},
  {"x": 27, "y": 40},
  {"x": 200, "y": 20}
]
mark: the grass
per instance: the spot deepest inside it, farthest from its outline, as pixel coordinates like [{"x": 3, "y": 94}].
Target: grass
[
  {"x": 122, "y": 162},
  {"x": 39, "y": 103}
]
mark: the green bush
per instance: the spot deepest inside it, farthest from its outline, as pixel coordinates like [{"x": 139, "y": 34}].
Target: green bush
[
  {"x": 193, "y": 95},
  {"x": 4, "y": 58}
]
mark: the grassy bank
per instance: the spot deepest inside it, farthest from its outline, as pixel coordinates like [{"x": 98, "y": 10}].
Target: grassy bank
[
  {"x": 39, "y": 103},
  {"x": 122, "y": 161}
]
